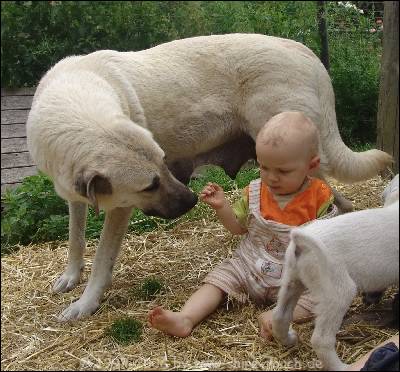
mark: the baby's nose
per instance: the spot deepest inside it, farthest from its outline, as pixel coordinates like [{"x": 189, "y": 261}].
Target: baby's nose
[{"x": 272, "y": 177}]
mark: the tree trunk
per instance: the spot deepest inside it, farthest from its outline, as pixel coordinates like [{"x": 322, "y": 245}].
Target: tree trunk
[
  {"x": 388, "y": 103},
  {"x": 323, "y": 33}
]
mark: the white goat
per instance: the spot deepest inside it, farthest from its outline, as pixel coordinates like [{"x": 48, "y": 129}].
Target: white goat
[{"x": 333, "y": 258}]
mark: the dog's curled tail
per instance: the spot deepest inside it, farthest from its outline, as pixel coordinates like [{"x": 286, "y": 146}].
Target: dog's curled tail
[{"x": 344, "y": 164}]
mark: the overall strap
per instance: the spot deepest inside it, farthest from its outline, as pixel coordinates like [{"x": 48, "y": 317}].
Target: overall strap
[{"x": 254, "y": 196}]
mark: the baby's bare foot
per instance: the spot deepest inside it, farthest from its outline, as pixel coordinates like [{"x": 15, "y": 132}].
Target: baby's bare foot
[
  {"x": 174, "y": 324},
  {"x": 265, "y": 323}
]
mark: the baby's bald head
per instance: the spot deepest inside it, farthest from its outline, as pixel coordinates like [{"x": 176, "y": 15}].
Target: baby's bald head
[{"x": 292, "y": 130}]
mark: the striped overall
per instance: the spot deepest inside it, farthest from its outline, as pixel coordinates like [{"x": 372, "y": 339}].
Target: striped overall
[{"x": 254, "y": 271}]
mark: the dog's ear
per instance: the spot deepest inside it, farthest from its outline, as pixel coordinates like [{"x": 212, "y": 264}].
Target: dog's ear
[{"x": 91, "y": 184}]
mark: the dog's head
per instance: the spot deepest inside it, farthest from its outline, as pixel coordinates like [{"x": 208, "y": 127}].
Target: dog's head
[{"x": 128, "y": 168}]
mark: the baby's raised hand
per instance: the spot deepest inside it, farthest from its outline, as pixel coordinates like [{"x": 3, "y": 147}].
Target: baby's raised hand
[{"x": 213, "y": 195}]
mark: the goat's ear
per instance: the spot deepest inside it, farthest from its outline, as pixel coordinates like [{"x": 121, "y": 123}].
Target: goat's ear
[{"x": 92, "y": 184}]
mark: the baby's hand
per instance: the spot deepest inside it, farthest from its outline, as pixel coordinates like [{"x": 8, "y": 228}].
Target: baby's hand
[{"x": 213, "y": 195}]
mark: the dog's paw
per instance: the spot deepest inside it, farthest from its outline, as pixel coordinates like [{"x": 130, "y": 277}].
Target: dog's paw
[
  {"x": 66, "y": 282},
  {"x": 78, "y": 310}
]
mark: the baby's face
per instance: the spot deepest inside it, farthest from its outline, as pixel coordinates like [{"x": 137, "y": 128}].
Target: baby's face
[{"x": 283, "y": 169}]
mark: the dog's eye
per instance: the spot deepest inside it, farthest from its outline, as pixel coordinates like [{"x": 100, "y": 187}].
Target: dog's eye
[{"x": 154, "y": 185}]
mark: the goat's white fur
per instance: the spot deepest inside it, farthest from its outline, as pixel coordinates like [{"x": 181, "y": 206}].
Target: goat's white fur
[{"x": 333, "y": 258}]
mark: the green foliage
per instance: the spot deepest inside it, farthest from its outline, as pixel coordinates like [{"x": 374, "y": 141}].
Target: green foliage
[
  {"x": 357, "y": 91},
  {"x": 30, "y": 213},
  {"x": 148, "y": 289},
  {"x": 211, "y": 174},
  {"x": 246, "y": 175},
  {"x": 37, "y": 34},
  {"x": 355, "y": 63},
  {"x": 125, "y": 331}
]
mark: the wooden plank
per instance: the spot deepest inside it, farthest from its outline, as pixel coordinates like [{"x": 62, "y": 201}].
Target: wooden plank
[
  {"x": 13, "y": 145},
  {"x": 13, "y": 131},
  {"x": 18, "y": 91},
  {"x": 16, "y": 102},
  {"x": 7, "y": 186},
  {"x": 388, "y": 101},
  {"x": 18, "y": 159},
  {"x": 14, "y": 175},
  {"x": 14, "y": 116}
]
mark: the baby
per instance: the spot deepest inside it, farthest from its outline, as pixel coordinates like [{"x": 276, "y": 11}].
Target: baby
[{"x": 285, "y": 196}]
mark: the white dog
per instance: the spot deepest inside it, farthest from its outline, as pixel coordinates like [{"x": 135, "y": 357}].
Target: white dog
[
  {"x": 109, "y": 127},
  {"x": 333, "y": 258}
]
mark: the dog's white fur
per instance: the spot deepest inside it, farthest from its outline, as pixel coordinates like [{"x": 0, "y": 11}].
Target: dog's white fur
[
  {"x": 333, "y": 258},
  {"x": 100, "y": 125}
]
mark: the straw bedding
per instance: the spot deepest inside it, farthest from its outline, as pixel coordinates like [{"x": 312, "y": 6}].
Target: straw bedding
[{"x": 32, "y": 339}]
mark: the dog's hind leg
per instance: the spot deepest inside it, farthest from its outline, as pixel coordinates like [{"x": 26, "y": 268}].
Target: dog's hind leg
[
  {"x": 77, "y": 222},
  {"x": 230, "y": 156},
  {"x": 182, "y": 169},
  {"x": 115, "y": 226}
]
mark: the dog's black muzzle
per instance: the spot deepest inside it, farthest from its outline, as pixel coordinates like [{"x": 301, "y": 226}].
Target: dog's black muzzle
[{"x": 174, "y": 208}]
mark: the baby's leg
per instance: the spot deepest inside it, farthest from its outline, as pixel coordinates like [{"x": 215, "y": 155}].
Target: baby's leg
[{"x": 201, "y": 304}]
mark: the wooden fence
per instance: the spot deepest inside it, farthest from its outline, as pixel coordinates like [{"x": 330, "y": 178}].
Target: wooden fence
[{"x": 16, "y": 162}]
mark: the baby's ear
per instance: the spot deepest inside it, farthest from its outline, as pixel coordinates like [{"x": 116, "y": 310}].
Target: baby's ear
[{"x": 314, "y": 163}]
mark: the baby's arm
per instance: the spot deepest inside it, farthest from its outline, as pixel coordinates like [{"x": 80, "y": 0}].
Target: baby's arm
[{"x": 213, "y": 195}]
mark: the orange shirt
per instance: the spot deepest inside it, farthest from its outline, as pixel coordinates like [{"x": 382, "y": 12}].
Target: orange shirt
[{"x": 305, "y": 206}]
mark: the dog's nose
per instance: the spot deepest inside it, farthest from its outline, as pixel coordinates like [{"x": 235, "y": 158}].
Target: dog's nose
[{"x": 175, "y": 208}]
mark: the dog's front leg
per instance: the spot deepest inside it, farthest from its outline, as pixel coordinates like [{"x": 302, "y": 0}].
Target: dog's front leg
[
  {"x": 76, "y": 242},
  {"x": 115, "y": 226}
]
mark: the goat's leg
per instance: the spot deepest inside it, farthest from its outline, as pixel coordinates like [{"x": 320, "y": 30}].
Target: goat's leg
[
  {"x": 282, "y": 315},
  {"x": 329, "y": 318}
]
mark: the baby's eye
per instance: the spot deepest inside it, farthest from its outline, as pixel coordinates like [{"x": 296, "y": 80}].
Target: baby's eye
[{"x": 284, "y": 171}]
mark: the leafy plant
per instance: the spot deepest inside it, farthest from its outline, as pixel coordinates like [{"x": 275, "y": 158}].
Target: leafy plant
[{"x": 32, "y": 207}]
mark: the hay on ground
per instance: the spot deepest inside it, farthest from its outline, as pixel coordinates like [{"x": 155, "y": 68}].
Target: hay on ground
[{"x": 32, "y": 339}]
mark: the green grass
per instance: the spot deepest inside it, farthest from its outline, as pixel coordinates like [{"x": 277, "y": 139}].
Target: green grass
[
  {"x": 125, "y": 331},
  {"x": 34, "y": 213},
  {"x": 148, "y": 289},
  {"x": 359, "y": 147}
]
